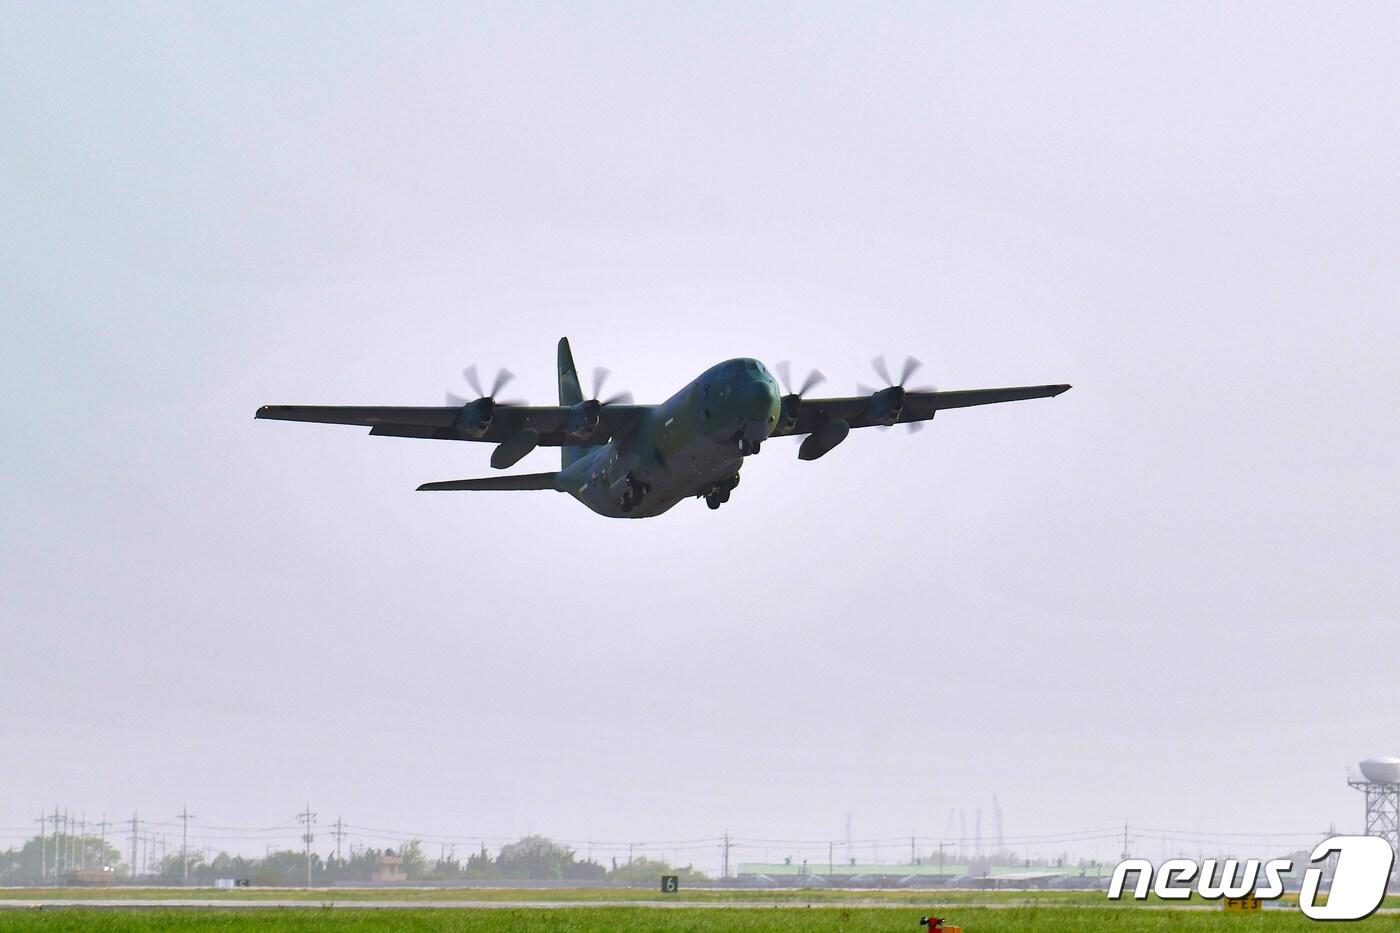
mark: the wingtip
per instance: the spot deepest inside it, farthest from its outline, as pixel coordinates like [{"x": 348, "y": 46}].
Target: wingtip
[{"x": 1062, "y": 389}]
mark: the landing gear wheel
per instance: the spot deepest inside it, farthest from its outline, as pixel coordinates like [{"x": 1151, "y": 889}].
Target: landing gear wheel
[
  {"x": 713, "y": 502},
  {"x": 633, "y": 496}
]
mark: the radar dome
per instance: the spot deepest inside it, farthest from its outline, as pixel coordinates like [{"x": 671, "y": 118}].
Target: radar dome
[{"x": 1381, "y": 770}]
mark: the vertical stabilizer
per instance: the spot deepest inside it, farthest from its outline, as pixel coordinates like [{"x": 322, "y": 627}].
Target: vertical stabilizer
[{"x": 570, "y": 393}]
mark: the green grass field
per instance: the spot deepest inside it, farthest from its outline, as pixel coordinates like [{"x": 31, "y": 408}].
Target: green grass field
[
  {"x": 663, "y": 920},
  {"x": 585, "y": 910}
]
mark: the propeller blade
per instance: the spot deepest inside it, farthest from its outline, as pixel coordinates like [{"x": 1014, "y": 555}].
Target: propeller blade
[
  {"x": 503, "y": 376},
  {"x": 621, "y": 398},
  {"x": 455, "y": 400},
  {"x": 785, "y": 376},
  {"x": 881, "y": 369},
  {"x": 911, "y": 366},
  {"x": 600, "y": 377},
  {"x": 814, "y": 379},
  {"x": 519, "y": 402},
  {"x": 470, "y": 375},
  {"x": 924, "y": 389},
  {"x": 914, "y": 426},
  {"x": 864, "y": 389}
]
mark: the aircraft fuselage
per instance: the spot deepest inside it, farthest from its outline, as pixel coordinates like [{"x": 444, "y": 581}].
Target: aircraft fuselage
[{"x": 691, "y": 445}]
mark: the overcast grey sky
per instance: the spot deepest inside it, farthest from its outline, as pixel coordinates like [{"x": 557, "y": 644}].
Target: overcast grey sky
[{"x": 1168, "y": 596}]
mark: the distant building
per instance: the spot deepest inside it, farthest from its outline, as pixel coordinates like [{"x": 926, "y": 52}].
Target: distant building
[
  {"x": 388, "y": 868},
  {"x": 88, "y": 876}
]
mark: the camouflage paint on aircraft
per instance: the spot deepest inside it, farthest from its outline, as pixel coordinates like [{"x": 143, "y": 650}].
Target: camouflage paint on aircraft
[{"x": 625, "y": 460}]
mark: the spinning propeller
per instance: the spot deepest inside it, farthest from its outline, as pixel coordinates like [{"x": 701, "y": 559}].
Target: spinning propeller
[
  {"x": 895, "y": 389},
  {"x": 503, "y": 376},
  {"x": 792, "y": 401},
  {"x": 600, "y": 376},
  {"x": 814, "y": 379},
  {"x": 584, "y": 417}
]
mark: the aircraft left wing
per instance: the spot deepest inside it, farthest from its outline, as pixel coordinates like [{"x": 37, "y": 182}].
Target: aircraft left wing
[
  {"x": 557, "y": 425},
  {"x": 863, "y": 411}
]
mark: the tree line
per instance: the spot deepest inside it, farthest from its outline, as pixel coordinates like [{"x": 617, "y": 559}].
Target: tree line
[{"x": 533, "y": 858}]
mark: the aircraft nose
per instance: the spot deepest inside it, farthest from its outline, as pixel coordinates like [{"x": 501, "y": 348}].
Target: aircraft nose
[{"x": 764, "y": 403}]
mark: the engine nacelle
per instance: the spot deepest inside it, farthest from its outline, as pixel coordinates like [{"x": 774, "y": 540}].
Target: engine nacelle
[
  {"x": 887, "y": 405},
  {"x": 787, "y": 415},
  {"x": 475, "y": 418},
  {"x": 583, "y": 418}
]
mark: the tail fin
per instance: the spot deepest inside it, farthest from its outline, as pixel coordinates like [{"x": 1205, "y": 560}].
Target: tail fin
[{"x": 570, "y": 393}]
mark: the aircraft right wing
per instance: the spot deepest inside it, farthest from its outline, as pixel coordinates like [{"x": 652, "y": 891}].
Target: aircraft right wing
[{"x": 869, "y": 410}]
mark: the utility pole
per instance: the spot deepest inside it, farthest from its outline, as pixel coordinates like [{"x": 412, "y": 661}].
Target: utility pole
[
  {"x": 725, "y": 874},
  {"x": 55, "y": 842},
  {"x": 184, "y": 818},
  {"x": 941, "y": 844},
  {"x": 339, "y": 834},
  {"x": 134, "y": 837},
  {"x": 913, "y": 855},
  {"x": 82, "y": 842},
  {"x": 1125, "y": 839},
  {"x": 43, "y": 848},
  {"x": 103, "y": 851},
  {"x": 830, "y": 860},
  {"x": 309, "y": 819}
]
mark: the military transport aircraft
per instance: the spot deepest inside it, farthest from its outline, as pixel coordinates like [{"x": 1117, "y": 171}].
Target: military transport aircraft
[{"x": 633, "y": 461}]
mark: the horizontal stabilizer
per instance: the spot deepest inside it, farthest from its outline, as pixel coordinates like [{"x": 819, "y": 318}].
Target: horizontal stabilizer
[{"x": 518, "y": 482}]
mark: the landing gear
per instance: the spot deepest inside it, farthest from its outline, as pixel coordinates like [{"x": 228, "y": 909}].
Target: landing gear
[
  {"x": 747, "y": 447},
  {"x": 719, "y": 492},
  {"x": 632, "y": 495}
]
